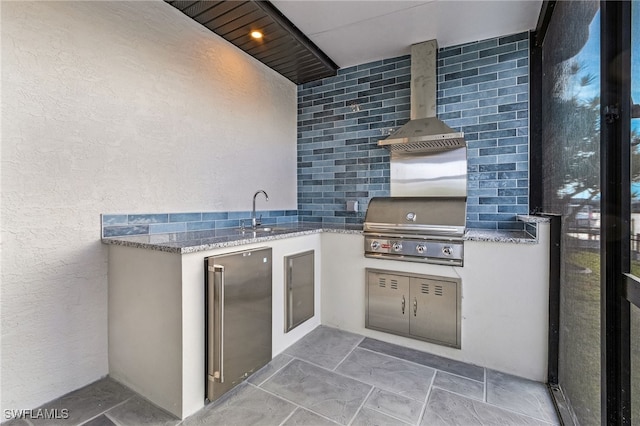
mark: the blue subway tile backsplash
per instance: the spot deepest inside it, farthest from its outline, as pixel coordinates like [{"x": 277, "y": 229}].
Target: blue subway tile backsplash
[
  {"x": 482, "y": 91},
  {"x": 118, "y": 225}
]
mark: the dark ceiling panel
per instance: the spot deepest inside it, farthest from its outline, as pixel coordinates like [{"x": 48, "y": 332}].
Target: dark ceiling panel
[
  {"x": 198, "y": 7},
  {"x": 218, "y": 9},
  {"x": 244, "y": 23},
  {"x": 283, "y": 48},
  {"x": 232, "y": 15},
  {"x": 241, "y": 33},
  {"x": 182, "y": 5}
]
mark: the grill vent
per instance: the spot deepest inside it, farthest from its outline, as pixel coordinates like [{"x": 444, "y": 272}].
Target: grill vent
[
  {"x": 382, "y": 282},
  {"x": 438, "y": 291},
  {"x": 425, "y": 288},
  {"x": 394, "y": 284}
]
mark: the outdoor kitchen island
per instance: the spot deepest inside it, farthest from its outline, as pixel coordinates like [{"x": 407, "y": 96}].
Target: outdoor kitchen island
[{"x": 157, "y": 315}]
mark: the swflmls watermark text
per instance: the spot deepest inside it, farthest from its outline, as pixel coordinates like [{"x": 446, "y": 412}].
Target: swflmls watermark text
[{"x": 38, "y": 413}]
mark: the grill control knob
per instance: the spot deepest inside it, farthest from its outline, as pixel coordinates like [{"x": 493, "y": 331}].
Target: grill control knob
[
  {"x": 421, "y": 248},
  {"x": 397, "y": 246},
  {"x": 447, "y": 251},
  {"x": 375, "y": 245}
]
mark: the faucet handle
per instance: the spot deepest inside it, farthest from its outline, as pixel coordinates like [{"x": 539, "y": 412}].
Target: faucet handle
[{"x": 259, "y": 221}]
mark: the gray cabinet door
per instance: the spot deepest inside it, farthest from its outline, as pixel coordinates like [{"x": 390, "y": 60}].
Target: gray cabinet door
[
  {"x": 299, "y": 291},
  {"x": 387, "y": 302},
  {"x": 433, "y": 310}
]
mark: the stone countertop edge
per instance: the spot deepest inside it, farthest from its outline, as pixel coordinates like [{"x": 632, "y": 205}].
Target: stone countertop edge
[
  {"x": 500, "y": 236},
  {"x": 532, "y": 219},
  {"x": 180, "y": 244}
]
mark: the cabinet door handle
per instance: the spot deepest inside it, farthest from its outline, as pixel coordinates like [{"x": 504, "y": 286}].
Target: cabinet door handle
[
  {"x": 415, "y": 306},
  {"x": 289, "y": 325},
  {"x": 403, "y": 304},
  {"x": 219, "y": 288}
]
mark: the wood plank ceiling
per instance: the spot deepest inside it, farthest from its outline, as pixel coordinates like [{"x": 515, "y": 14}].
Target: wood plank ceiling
[{"x": 283, "y": 47}]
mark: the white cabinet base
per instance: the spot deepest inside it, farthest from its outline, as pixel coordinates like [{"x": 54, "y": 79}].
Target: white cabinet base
[{"x": 504, "y": 307}]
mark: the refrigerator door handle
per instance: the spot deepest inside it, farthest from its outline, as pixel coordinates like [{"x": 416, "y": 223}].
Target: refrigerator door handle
[{"x": 218, "y": 323}]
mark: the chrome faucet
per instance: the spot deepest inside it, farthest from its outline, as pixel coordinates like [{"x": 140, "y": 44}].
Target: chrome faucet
[{"x": 255, "y": 222}]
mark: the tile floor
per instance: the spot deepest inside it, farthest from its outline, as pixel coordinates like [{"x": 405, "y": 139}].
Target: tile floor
[{"x": 332, "y": 377}]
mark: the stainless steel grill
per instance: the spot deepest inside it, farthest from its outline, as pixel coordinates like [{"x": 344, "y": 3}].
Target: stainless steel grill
[
  {"x": 417, "y": 229},
  {"x": 424, "y": 219}
]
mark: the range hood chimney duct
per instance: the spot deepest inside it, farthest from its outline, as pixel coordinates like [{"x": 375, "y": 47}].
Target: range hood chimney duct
[{"x": 424, "y": 132}]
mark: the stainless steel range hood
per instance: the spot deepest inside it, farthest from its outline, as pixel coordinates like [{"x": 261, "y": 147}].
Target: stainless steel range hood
[{"x": 424, "y": 132}]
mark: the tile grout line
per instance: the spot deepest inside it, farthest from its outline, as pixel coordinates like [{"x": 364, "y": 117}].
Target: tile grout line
[
  {"x": 291, "y": 402},
  {"x": 390, "y": 415},
  {"x": 357, "y": 345},
  {"x": 435, "y": 368},
  {"x": 502, "y": 408},
  {"x": 105, "y": 412},
  {"x": 459, "y": 394},
  {"x": 361, "y": 405},
  {"x": 289, "y": 416},
  {"x": 275, "y": 372},
  {"x": 432, "y": 381},
  {"x": 421, "y": 365},
  {"x": 358, "y": 380},
  {"x": 426, "y": 399}
]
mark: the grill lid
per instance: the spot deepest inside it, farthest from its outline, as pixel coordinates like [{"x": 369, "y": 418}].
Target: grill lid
[{"x": 437, "y": 216}]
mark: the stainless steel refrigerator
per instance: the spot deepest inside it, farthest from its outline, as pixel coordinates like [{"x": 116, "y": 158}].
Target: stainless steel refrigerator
[{"x": 238, "y": 310}]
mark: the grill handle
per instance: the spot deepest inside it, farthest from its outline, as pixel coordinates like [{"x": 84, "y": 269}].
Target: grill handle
[{"x": 422, "y": 229}]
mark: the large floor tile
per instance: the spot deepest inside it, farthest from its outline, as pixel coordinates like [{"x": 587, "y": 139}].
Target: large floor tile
[
  {"x": 465, "y": 387},
  {"x": 324, "y": 346},
  {"x": 389, "y": 373},
  {"x": 267, "y": 371},
  {"x": 440, "y": 363},
  {"x": 320, "y": 390},
  {"x": 302, "y": 417},
  {"x": 16, "y": 422},
  {"x": 397, "y": 406},
  {"x": 367, "y": 417},
  {"x": 520, "y": 395},
  {"x": 445, "y": 408},
  {"x": 140, "y": 412},
  {"x": 87, "y": 402},
  {"x": 246, "y": 405},
  {"x": 101, "y": 420}
]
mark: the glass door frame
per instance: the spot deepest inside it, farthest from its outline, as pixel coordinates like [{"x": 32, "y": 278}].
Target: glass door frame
[
  {"x": 615, "y": 158},
  {"x": 618, "y": 287}
]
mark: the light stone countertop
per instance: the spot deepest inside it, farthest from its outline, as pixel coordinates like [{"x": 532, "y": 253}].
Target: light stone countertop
[
  {"x": 195, "y": 241},
  {"x": 533, "y": 219},
  {"x": 500, "y": 236}
]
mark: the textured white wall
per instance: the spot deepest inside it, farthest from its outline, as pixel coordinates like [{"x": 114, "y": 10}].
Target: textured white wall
[{"x": 114, "y": 107}]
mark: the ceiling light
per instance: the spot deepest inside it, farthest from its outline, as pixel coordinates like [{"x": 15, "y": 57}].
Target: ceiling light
[{"x": 256, "y": 34}]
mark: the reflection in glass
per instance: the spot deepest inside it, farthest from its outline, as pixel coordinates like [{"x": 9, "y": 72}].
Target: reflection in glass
[
  {"x": 571, "y": 183},
  {"x": 635, "y": 207}
]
